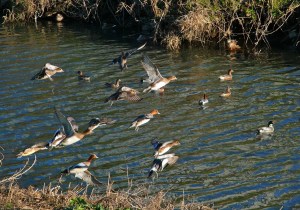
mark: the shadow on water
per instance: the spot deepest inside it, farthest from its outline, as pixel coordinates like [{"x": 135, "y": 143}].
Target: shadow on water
[{"x": 221, "y": 159}]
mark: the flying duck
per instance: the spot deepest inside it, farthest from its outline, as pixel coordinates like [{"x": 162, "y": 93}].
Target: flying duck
[
  {"x": 142, "y": 119},
  {"x": 122, "y": 59},
  {"x": 46, "y": 72},
  {"x": 155, "y": 79},
  {"x": 124, "y": 93}
]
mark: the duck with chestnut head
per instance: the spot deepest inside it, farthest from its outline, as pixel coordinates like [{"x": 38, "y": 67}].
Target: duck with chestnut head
[
  {"x": 155, "y": 79},
  {"x": 73, "y": 136},
  {"x": 143, "y": 119},
  {"x": 227, "y": 76},
  {"x": 81, "y": 171}
]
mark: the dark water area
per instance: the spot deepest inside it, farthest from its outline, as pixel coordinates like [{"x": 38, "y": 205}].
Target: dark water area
[{"x": 221, "y": 160}]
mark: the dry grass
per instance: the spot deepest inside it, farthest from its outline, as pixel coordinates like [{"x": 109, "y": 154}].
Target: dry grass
[
  {"x": 172, "y": 41},
  {"x": 51, "y": 197},
  {"x": 200, "y": 25}
]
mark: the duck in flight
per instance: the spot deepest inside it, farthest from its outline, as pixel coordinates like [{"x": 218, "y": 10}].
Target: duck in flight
[
  {"x": 47, "y": 72},
  {"x": 122, "y": 59},
  {"x": 73, "y": 136},
  {"x": 58, "y": 136},
  {"x": 124, "y": 93},
  {"x": 162, "y": 148},
  {"x": 155, "y": 79},
  {"x": 143, "y": 119},
  {"x": 81, "y": 171},
  {"x": 162, "y": 162}
]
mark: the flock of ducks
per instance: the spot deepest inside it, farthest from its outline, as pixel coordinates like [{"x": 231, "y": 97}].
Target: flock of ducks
[{"x": 69, "y": 134}]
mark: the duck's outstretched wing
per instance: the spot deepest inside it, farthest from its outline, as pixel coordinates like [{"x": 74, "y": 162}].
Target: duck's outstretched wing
[
  {"x": 88, "y": 178},
  {"x": 152, "y": 71},
  {"x": 129, "y": 96},
  {"x": 168, "y": 162},
  {"x": 51, "y": 67},
  {"x": 106, "y": 121},
  {"x": 165, "y": 156},
  {"x": 133, "y": 97},
  {"x": 172, "y": 160},
  {"x": 57, "y": 138},
  {"x": 73, "y": 123},
  {"x": 130, "y": 52},
  {"x": 40, "y": 75},
  {"x": 67, "y": 126}
]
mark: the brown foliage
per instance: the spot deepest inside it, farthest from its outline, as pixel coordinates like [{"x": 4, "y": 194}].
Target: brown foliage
[
  {"x": 201, "y": 24},
  {"x": 12, "y": 196}
]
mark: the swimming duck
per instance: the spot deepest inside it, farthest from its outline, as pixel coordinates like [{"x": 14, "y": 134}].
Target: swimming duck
[
  {"x": 162, "y": 148},
  {"x": 73, "y": 136},
  {"x": 113, "y": 85},
  {"x": 227, "y": 92},
  {"x": 232, "y": 45},
  {"x": 82, "y": 76},
  {"x": 81, "y": 171},
  {"x": 33, "y": 149},
  {"x": 227, "y": 76},
  {"x": 155, "y": 79},
  {"x": 266, "y": 130},
  {"x": 162, "y": 162},
  {"x": 142, "y": 119},
  {"x": 124, "y": 93},
  {"x": 46, "y": 72},
  {"x": 204, "y": 100},
  {"x": 122, "y": 59}
]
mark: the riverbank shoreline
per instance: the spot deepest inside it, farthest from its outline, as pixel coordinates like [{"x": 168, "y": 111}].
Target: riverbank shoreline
[{"x": 255, "y": 25}]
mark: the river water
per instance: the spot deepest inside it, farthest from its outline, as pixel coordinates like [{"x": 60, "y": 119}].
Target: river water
[{"x": 221, "y": 160}]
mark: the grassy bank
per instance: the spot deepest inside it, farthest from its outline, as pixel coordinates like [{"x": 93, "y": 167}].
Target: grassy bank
[
  {"x": 173, "y": 23},
  {"x": 51, "y": 197}
]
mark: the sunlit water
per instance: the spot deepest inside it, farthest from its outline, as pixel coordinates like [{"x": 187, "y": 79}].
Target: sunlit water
[{"x": 221, "y": 159}]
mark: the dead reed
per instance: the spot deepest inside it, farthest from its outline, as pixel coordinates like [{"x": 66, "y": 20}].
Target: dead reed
[{"x": 52, "y": 197}]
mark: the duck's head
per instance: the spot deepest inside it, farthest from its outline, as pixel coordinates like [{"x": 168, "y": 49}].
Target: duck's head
[
  {"x": 92, "y": 157},
  {"x": 154, "y": 112},
  {"x": 94, "y": 123},
  {"x": 205, "y": 96},
  {"x": 118, "y": 81},
  {"x": 270, "y": 123},
  {"x": 176, "y": 142},
  {"x": 171, "y": 78},
  {"x": 59, "y": 70},
  {"x": 230, "y": 71},
  {"x": 80, "y": 73},
  {"x": 123, "y": 56}
]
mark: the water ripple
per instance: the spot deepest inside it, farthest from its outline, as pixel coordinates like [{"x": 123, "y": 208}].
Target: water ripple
[{"x": 221, "y": 161}]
